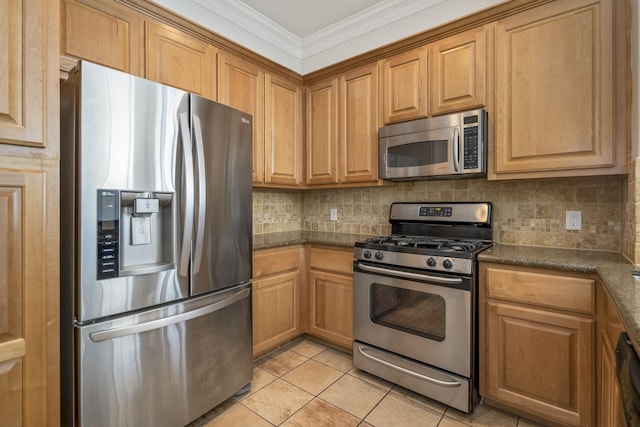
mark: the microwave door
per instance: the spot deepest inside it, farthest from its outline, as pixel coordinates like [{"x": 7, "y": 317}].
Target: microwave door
[{"x": 427, "y": 153}]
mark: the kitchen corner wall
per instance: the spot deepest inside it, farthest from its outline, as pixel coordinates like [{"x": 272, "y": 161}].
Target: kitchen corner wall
[
  {"x": 528, "y": 212},
  {"x": 631, "y": 231}
]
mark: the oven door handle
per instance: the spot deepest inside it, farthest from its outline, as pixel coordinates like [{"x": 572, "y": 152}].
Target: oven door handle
[
  {"x": 409, "y": 372},
  {"x": 408, "y": 275}
]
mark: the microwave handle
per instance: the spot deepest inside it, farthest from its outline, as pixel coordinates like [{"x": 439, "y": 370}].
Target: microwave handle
[{"x": 456, "y": 149}]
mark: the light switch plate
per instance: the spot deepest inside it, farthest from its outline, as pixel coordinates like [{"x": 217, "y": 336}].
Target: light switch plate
[{"x": 333, "y": 214}]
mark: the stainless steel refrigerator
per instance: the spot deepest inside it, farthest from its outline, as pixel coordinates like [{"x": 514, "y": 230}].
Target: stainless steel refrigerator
[{"x": 155, "y": 251}]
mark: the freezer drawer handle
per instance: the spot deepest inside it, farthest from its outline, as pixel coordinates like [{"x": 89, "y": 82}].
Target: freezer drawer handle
[
  {"x": 408, "y": 275},
  {"x": 108, "y": 334},
  {"x": 436, "y": 381}
]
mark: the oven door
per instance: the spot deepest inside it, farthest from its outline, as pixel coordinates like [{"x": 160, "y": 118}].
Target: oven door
[{"x": 425, "y": 317}]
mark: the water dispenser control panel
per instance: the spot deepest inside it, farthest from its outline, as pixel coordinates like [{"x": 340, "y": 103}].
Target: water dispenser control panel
[{"x": 108, "y": 233}]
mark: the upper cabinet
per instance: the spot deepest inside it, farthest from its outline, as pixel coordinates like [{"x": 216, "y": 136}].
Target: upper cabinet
[
  {"x": 555, "y": 91},
  {"x": 405, "y": 86},
  {"x": 458, "y": 72},
  {"x": 241, "y": 86},
  {"x": 342, "y": 129},
  {"x": 177, "y": 59},
  {"x": 105, "y": 33},
  {"x": 283, "y": 132},
  {"x": 276, "y": 107}
]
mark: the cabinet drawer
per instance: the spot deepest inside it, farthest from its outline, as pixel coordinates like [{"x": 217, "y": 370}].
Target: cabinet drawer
[
  {"x": 270, "y": 261},
  {"x": 542, "y": 289},
  {"x": 333, "y": 260}
]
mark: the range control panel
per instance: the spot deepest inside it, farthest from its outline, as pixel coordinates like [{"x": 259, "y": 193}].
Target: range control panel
[{"x": 108, "y": 234}]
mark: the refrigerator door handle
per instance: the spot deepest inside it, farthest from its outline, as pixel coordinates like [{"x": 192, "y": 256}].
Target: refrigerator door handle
[
  {"x": 187, "y": 230},
  {"x": 122, "y": 331},
  {"x": 202, "y": 193}
]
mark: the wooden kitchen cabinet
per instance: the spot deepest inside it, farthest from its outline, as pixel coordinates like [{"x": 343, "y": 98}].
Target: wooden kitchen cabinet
[
  {"x": 277, "y": 278},
  {"x": 458, "y": 72},
  {"x": 283, "y": 149},
  {"x": 537, "y": 343},
  {"x": 554, "y": 91},
  {"x": 178, "y": 59},
  {"x": 106, "y": 33},
  {"x": 405, "y": 83},
  {"x": 241, "y": 86},
  {"x": 29, "y": 206},
  {"x": 342, "y": 129},
  {"x": 609, "y": 405},
  {"x": 331, "y": 294}
]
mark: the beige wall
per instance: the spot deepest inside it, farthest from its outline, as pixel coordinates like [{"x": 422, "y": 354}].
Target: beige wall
[{"x": 528, "y": 212}]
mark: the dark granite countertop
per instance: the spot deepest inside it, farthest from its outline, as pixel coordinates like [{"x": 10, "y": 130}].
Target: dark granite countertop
[
  {"x": 614, "y": 271},
  {"x": 287, "y": 238}
]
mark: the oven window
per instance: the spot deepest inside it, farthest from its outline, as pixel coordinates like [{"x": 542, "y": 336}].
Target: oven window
[
  {"x": 418, "y": 154},
  {"x": 414, "y": 312}
]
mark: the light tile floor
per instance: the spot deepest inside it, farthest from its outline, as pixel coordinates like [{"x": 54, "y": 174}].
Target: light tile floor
[{"x": 307, "y": 383}]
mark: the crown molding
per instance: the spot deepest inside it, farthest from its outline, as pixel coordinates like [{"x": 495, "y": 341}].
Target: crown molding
[{"x": 376, "y": 26}]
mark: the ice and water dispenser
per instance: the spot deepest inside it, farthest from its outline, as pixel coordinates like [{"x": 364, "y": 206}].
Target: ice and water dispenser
[{"x": 135, "y": 234}]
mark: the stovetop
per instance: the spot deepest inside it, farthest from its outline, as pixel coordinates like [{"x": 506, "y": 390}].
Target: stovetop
[{"x": 443, "y": 237}]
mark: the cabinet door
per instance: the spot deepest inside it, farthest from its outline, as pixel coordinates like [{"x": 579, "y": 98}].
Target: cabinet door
[
  {"x": 359, "y": 125},
  {"x": 554, "y": 90},
  {"x": 540, "y": 362},
  {"x": 276, "y": 318},
  {"x": 331, "y": 307},
  {"x": 29, "y": 88},
  {"x": 29, "y": 333},
  {"x": 180, "y": 60},
  {"x": 610, "y": 407},
  {"x": 283, "y": 132},
  {"x": 322, "y": 133},
  {"x": 458, "y": 72},
  {"x": 405, "y": 86},
  {"x": 241, "y": 86},
  {"x": 106, "y": 34}
]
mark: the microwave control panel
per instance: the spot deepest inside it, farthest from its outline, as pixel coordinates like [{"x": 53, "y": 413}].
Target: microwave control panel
[
  {"x": 471, "y": 148},
  {"x": 108, "y": 233}
]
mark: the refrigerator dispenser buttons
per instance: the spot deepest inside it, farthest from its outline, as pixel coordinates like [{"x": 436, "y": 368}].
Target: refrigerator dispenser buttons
[
  {"x": 145, "y": 207},
  {"x": 108, "y": 233}
]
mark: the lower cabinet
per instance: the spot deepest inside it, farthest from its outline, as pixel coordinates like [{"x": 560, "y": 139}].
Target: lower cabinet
[
  {"x": 331, "y": 295},
  {"x": 537, "y": 346},
  {"x": 278, "y": 274},
  {"x": 609, "y": 401}
]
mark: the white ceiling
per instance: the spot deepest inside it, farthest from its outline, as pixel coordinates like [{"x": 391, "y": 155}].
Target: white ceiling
[{"x": 307, "y": 35}]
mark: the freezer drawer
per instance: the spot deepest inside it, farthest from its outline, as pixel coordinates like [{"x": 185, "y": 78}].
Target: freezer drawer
[{"x": 165, "y": 367}]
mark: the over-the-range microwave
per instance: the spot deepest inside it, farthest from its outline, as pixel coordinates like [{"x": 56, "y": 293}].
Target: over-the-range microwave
[{"x": 448, "y": 146}]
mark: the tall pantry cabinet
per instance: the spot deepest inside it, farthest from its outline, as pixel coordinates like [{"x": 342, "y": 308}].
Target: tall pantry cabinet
[{"x": 29, "y": 194}]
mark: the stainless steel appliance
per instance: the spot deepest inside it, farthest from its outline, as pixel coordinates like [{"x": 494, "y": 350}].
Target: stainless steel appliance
[
  {"x": 449, "y": 146},
  {"x": 628, "y": 372},
  {"x": 415, "y": 297},
  {"x": 155, "y": 251}
]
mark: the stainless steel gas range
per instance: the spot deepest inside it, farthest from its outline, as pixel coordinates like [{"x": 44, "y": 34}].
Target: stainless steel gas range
[{"x": 415, "y": 299}]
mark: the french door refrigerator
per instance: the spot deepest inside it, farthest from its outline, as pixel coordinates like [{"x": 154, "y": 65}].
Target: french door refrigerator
[{"x": 155, "y": 251}]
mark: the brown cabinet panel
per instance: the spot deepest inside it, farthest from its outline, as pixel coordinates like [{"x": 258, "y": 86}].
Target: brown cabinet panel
[
  {"x": 555, "y": 91},
  {"x": 458, "y": 73},
  {"x": 104, "y": 33},
  {"x": 359, "y": 125},
  {"x": 283, "y": 132},
  {"x": 322, "y": 133},
  {"x": 540, "y": 362},
  {"x": 405, "y": 86},
  {"x": 177, "y": 59},
  {"x": 241, "y": 86}
]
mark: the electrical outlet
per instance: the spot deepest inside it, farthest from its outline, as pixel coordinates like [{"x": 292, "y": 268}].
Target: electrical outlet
[
  {"x": 573, "y": 220},
  {"x": 333, "y": 214}
]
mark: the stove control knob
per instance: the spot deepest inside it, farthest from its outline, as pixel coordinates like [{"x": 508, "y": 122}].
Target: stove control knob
[
  {"x": 379, "y": 255},
  {"x": 431, "y": 262},
  {"x": 447, "y": 263},
  {"x": 367, "y": 253}
]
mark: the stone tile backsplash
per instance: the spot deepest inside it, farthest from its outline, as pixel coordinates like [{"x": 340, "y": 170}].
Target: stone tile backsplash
[{"x": 530, "y": 212}]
